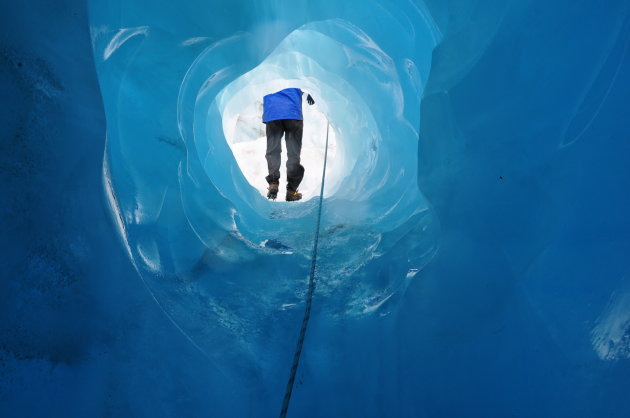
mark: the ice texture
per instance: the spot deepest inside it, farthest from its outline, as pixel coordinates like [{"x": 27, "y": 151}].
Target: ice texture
[
  {"x": 474, "y": 247},
  {"x": 191, "y": 222}
]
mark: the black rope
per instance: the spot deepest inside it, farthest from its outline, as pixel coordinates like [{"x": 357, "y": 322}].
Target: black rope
[{"x": 309, "y": 295}]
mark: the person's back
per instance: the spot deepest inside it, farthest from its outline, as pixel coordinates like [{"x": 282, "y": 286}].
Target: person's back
[
  {"x": 285, "y": 104},
  {"x": 282, "y": 113}
]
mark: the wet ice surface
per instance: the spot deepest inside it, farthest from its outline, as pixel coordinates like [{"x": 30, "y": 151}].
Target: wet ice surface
[
  {"x": 515, "y": 306},
  {"x": 194, "y": 217},
  {"x": 192, "y": 209}
]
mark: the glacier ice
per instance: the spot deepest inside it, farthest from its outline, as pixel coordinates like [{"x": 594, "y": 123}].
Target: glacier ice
[
  {"x": 186, "y": 211},
  {"x": 474, "y": 246}
]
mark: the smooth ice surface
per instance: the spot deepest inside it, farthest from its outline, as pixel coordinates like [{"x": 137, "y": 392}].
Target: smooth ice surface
[{"x": 475, "y": 238}]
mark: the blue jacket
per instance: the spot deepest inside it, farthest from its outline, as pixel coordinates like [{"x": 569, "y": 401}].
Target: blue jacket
[{"x": 285, "y": 104}]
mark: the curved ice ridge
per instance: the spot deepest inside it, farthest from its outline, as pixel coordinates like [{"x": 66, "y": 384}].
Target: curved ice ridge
[{"x": 191, "y": 222}]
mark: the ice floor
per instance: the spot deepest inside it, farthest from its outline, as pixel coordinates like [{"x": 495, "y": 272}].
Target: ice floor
[{"x": 474, "y": 242}]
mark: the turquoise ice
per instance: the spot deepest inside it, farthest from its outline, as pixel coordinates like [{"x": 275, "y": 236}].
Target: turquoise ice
[{"x": 474, "y": 245}]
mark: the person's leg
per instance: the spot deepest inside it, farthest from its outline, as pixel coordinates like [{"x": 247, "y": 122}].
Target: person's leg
[
  {"x": 295, "y": 171},
  {"x": 274, "y": 131}
]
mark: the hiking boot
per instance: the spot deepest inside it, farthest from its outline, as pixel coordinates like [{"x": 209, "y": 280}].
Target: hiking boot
[
  {"x": 293, "y": 195},
  {"x": 273, "y": 191}
]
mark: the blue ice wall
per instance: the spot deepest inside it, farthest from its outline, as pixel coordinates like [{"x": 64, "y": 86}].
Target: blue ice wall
[{"x": 473, "y": 261}]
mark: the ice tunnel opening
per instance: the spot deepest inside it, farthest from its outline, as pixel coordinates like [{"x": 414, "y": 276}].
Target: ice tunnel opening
[
  {"x": 245, "y": 134},
  {"x": 294, "y": 63},
  {"x": 187, "y": 210},
  {"x": 368, "y": 97},
  {"x": 227, "y": 131}
]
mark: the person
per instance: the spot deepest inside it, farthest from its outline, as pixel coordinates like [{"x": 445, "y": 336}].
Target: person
[{"x": 282, "y": 115}]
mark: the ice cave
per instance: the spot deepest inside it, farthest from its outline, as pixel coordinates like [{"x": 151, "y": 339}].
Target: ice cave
[{"x": 473, "y": 252}]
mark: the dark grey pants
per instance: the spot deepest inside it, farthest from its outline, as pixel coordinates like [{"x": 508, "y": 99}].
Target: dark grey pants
[{"x": 292, "y": 130}]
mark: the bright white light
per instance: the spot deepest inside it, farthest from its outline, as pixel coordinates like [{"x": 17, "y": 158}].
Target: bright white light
[{"x": 245, "y": 134}]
